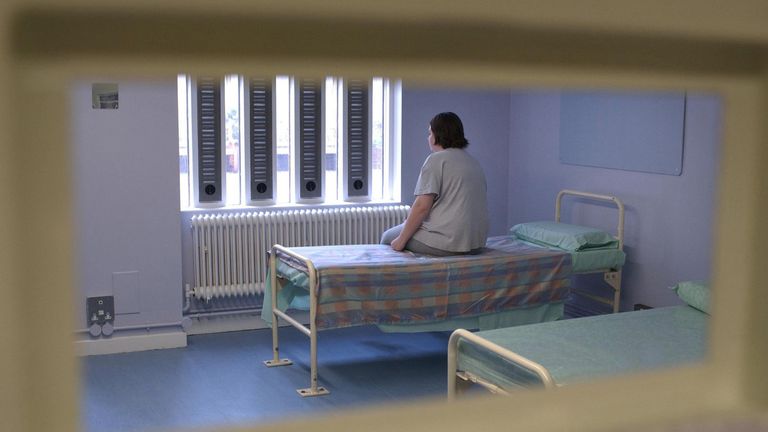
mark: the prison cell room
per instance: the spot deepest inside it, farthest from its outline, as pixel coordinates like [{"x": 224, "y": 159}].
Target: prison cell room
[{"x": 174, "y": 263}]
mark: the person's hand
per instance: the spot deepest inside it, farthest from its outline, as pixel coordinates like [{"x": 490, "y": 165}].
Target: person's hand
[{"x": 398, "y": 244}]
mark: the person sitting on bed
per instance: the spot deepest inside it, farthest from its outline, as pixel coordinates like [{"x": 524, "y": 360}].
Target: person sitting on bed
[{"x": 449, "y": 215}]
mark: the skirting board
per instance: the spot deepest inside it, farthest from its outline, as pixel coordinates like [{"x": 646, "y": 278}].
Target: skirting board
[
  {"x": 177, "y": 339},
  {"x": 131, "y": 343}
]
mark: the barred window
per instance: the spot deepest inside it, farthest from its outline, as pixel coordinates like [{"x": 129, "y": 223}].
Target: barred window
[{"x": 257, "y": 141}]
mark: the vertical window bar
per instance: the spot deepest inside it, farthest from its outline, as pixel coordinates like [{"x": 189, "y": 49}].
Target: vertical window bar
[
  {"x": 261, "y": 145},
  {"x": 386, "y": 138},
  {"x": 377, "y": 145},
  {"x": 310, "y": 139},
  {"x": 393, "y": 131},
  {"x": 357, "y": 154},
  {"x": 285, "y": 132},
  {"x": 332, "y": 130},
  {"x": 232, "y": 131},
  {"x": 185, "y": 173},
  {"x": 209, "y": 160}
]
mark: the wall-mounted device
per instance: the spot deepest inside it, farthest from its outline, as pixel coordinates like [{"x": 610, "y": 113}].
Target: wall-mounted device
[
  {"x": 100, "y": 315},
  {"x": 104, "y": 96}
]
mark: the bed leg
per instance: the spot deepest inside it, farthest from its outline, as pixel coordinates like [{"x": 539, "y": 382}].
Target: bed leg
[
  {"x": 453, "y": 342},
  {"x": 276, "y": 360},
  {"x": 314, "y": 389},
  {"x": 614, "y": 280}
]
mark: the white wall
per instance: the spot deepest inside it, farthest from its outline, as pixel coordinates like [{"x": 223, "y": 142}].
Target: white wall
[{"x": 126, "y": 189}]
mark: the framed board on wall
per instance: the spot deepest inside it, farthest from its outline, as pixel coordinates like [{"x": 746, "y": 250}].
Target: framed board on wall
[{"x": 636, "y": 131}]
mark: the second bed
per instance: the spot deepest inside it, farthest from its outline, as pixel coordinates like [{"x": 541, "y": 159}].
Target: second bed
[{"x": 564, "y": 352}]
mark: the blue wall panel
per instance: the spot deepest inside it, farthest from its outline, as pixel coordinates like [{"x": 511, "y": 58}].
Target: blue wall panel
[{"x": 629, "y": 131}]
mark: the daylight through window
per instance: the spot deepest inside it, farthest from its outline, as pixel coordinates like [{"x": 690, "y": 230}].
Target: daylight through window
[{"x": 256, "y": 141}]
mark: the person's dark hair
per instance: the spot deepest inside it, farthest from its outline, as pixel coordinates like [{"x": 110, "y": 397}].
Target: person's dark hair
[{"x": 448, "y": 130}]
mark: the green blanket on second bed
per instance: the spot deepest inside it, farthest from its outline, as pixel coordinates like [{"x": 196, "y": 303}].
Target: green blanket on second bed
[{"x": 583, "y": 348}]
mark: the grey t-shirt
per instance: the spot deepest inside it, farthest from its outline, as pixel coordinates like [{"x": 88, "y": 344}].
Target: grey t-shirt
[{"x": 458, "y": 221}]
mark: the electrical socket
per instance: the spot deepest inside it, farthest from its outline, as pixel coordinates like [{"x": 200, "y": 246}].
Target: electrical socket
[{"x": 100, "y": 310}]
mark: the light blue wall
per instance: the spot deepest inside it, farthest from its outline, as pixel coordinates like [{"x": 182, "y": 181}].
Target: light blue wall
[
  {"x": 126, "y": 187},
  {"x": 669, "y": 218},
  {"x": 127, "y": 206}
]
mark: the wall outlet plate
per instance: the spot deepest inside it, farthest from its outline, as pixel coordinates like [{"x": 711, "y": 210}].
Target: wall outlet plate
[{"x": 100, "y": 310}]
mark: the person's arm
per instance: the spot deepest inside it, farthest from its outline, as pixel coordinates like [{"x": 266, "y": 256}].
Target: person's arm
[{"x": 419, "y": 211}]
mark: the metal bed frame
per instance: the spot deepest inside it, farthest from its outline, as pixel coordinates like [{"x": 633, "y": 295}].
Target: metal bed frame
[
  {"x": 454, "y": 385},
  {"x": 311, "y": 332},
  {"x": 460, "y": 380},
  {"x": 611, "y": 276}
]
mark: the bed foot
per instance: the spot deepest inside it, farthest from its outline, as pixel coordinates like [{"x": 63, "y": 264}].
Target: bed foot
[
  {"x": 309, "y": 392},
  {"x": 275, "y": 363},
  {"x": 614, "y": 280}
]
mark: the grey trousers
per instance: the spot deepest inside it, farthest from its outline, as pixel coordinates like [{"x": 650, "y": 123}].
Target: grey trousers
[{"x": 417, "y": 246}]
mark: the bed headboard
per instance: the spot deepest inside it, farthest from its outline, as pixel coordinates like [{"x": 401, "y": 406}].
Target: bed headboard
[{"x": 612, "y": 199}]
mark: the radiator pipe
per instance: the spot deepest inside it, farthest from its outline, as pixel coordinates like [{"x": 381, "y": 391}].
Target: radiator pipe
[
  {"x": 224, "y": 313},
  {"x": 187, "y": 299}
]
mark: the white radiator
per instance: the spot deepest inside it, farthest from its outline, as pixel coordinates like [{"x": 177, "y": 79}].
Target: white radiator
[{"x": 230, "y": 250}]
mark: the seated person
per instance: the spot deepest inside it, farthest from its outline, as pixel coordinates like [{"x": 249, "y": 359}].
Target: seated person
[{"x": 449, "y": 215}]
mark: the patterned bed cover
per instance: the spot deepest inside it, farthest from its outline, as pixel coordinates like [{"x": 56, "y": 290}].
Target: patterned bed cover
[{"x": 372, "y": 284}]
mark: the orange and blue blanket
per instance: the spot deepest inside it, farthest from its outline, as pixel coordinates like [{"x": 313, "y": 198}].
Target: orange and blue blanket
[{"x": 373, "y": 284}]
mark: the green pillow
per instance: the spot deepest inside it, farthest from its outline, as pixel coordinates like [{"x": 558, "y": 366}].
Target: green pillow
[
  {"x": 694, "y": 293},
  {"x": 564, "y": 236}
]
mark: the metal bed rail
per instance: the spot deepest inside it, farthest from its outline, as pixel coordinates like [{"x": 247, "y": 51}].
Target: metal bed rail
[
  {"x": 609, "y": 198},
  {"x": 311, "y": 332},
  {"x": 610, "y": 276},
  {"x": 453, "y": 352}
]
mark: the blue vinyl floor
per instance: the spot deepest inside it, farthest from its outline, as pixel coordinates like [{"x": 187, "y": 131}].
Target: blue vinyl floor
[{"x": 219, "y": 379}]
